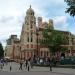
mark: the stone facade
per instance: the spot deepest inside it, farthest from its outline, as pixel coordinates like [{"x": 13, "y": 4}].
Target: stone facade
[
  {"x": 28, "y": 34},
  {"x": 12, "y": 49},
  {"x": 29, "y": 45}
]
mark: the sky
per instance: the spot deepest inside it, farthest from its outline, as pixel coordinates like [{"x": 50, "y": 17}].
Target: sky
[{"x": 12, "y": 14}]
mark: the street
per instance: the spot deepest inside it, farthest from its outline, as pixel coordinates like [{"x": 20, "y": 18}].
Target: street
[
  {"x": 32, "y": 73},
  {"x": 35, "y": 71}
]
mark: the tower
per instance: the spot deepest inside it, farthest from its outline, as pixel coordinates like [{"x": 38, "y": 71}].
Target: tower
[
  {"x": 51, "y": 23},
  {"x": 39, "y": 21},
  {"x": 28, "y": 34}
]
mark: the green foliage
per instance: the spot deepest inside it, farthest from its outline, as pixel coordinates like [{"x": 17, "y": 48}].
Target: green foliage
[
  {"x": 71, "y": 7},
  {"x": 1, "y": 51},
  {"x": 53, "y": 39}
]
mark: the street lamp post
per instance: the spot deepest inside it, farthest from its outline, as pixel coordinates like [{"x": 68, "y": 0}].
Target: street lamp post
[
  {"x": 13, "y": 51},
  {"x": 37, "y": 42},
  {"x": 20, "y": 54}
]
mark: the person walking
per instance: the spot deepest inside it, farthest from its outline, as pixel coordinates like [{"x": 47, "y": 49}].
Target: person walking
[
  {"x": 1, "y": 66},
  {"x": 20, "y": 68},
  {"x": 31, "y": 62},
  {"x": 28, "y": 65},
  {"x": 50, "y": 64},
  {"x": 10, "y": 68}
]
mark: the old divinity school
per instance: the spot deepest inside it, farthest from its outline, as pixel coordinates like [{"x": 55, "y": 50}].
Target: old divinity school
[{"x": 29, "y": 45}]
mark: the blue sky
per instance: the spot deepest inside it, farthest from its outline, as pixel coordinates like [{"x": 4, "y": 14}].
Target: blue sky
[{"x": 12, "y": 13}]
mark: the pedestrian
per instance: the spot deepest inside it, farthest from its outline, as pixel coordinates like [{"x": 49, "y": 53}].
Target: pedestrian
[
  {"x": 31, "y": 62},
  {"x": 21, "y": 65},
  {"x": 10, "y": 68},
  {"x": 10, "y": 65},
  {"x": 1, "y": 66},
  {"x": 50, "y": 64},
  {"x": 28, "y": 68},
  {"x": 28, "y": 65},
  {"x": 24, "y": 63}
]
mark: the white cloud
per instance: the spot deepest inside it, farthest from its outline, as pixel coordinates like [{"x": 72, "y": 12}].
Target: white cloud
[
  {"x": 60, "y": 19},
  {"x": 60, "y": 22},
  {"x": 12, "y": 13}
]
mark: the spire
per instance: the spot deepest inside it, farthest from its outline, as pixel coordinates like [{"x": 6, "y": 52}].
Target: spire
[
  {"x": 30, "y": 6},
  {"x": 30, "y": 11}
]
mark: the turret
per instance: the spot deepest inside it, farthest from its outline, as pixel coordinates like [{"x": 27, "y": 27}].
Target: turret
[
  {"x": 51, "y": 24},
  {"x": 39, "y": 21}
]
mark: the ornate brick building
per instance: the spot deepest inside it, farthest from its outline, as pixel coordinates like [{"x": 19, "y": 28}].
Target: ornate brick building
[{"x": 29, "y": 43}]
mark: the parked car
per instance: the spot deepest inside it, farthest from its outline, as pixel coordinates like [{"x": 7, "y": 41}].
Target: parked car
[{"x": 68, "y": 60}]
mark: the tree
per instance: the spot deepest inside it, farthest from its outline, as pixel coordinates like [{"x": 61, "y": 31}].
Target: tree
[
  {"x": 1, "y": 51},
  {"x": 71, "y": 7},
  {"x": 54, "y": 40}
]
